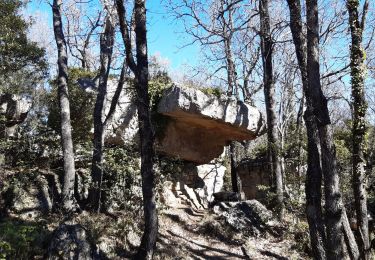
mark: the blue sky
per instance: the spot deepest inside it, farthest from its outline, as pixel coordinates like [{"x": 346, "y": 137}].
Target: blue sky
[{"x": 165, "y": 35}]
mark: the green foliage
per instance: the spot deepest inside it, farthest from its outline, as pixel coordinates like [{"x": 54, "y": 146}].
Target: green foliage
[
  {"x": 212, "y": 91},
  {"x": 22, "y": 63},
  {"x": 122, "y": 181},
  {"x": 156, "y": 86},
  {"x": 300, "y": 232},
  {"x": 21, "y": 240},
  {"x": 30, "y": 147},
  {"x": 81, "y": 107}
]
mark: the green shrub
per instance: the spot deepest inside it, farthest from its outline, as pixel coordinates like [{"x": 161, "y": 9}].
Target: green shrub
[
  {"x": 20, "y": 240},
  {"x": 122, "y": 179},
  {"x": 81, "y": 106},
  {"x": 212, "y": 91}
]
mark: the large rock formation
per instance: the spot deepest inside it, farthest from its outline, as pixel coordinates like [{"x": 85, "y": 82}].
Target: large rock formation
[
  {"x": 254, "y": 173},
  {"x": 13, "y": 111},
  {"x": 196, "y": 186},
  {"x": 249, "y": 217},
  {"x": 201, "y": 125},
  {"x": 123, "y": 128}
]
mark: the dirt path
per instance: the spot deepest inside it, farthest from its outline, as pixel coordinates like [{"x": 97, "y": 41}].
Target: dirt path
[{"x": 182, "y": 235}]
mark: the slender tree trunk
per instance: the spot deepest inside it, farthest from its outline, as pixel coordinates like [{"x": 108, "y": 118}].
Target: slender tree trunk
[
  {"x": 269, "y": 95},
  {"x": 358, "y": 71},
  {"x": 146, "y": 131},
  {"x": 68, "y": 200},
  {"x": 236, "y": 182},
  {"x": 106, "y": 50},
  {"x": 335, "y": 213},
  {"x": 232, "y": 89},
  {"x": 317, "y": 122},
  {"x": 300, "y": 161},
  {"x": 313, "y": 189},
  {"x": 313, "y": 183},
  {"x": 146, "y": 135}
]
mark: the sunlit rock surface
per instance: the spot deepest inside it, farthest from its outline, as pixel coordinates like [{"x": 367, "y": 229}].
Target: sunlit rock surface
[
  {"x": 201, "y": 125},
  {"x": 13, "y": 111}
]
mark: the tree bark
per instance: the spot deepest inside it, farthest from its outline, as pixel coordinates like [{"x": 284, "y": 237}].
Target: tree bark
[
  {"x": 68, "y": 201},
  {"x": 147, "y": 136},
  {"x": 358, "y": 71},
  {"x": 314, "y": 172},
  {"x": 236, "y": 182},
  {"x": 106, "y": 50},
  {"x": 269, "y": 95},
  {"x": 334, "y": 208}
]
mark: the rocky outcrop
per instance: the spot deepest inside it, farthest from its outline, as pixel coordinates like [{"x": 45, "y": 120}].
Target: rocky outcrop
[
  {"x": 13, "y": 111},
  {"x": 254, "y": 173},
  {"x": 196, "y": 186},
  {"x": 123, "y": 128},
  {"x": 249, "y": 217},
  {"x": 30, "y": 194},
  {"x": 200, "y": 125},
  {"x": 71, "y": 241}
]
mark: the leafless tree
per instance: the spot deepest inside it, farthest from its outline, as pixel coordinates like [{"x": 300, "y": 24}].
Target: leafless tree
[
  {"x": 269, "y": 96},
  {"x": 139, "y": 67},
  {"x": 66, "y": 127},
  {"x": 357, "y": 65}
]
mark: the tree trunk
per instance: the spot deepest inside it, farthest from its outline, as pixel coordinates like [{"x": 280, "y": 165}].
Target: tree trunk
[
  {"x": 314, "y": 172},
  {"x": 236, "y": 182},
  {"x": 269, "y": 95},
  {"x": 147, "y": 137},
  {"x": 146, "y": 131},
  {"x": 106, "y": 50},
  {"x": 334, "y": 208},
  {"x": 358, "y": 71},
  {"x": 68, "y": 201},
  {"x": 313, "y": 189}
]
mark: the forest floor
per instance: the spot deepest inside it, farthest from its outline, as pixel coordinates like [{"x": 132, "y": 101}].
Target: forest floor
[{"x": 185, "y": 233}]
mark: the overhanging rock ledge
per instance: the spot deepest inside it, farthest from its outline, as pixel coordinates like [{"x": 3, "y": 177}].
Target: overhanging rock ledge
[{"x": 200, "y": 125}]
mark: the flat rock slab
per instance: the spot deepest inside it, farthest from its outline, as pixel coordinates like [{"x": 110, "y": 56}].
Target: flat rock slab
[{"x": 201, "y": 125}]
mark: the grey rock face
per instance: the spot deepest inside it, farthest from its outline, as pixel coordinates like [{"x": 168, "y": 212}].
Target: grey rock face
[
  {"x": 13, "y": 111},
  {"x": 201, "y": 125},
  {"x": 123, "y": 128},
  {"x": 205, "y": 179},
  {"x": 30, "y": 195},
  {"x": 250, "y": 216},
  {"x": 196, "y": 186},
  {"x": 71, "y": 242}
]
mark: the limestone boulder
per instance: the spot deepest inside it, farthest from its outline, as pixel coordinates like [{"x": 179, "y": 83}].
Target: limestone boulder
[
  {"x": 13, "y": 111},
  {"x": 206, "y": 179},
  {"x": 123, "y": 128},
  {"x": 200, "y": 125},
  {"x": 196, "y": 186},
  {"x": 254, "y": 173},
  {"x": 30, "y": 194},
  {"x": 249, "y": 217}
]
